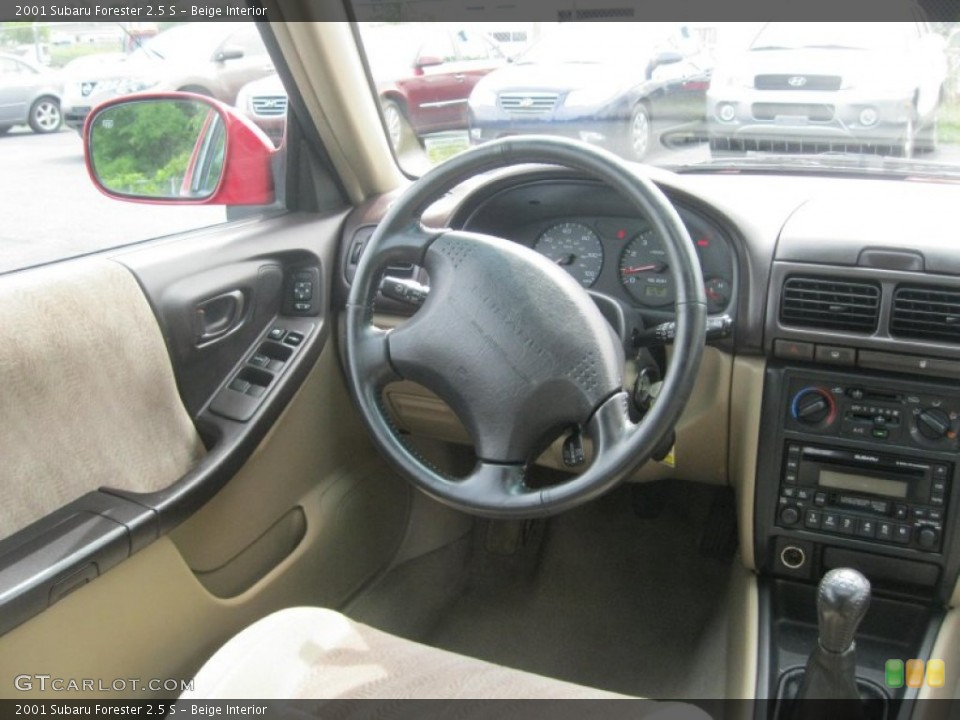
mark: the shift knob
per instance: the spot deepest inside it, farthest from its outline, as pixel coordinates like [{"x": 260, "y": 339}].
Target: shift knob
[{"x": 842, "y": 601}]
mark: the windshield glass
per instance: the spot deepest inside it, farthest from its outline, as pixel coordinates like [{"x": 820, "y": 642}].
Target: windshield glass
[
  {"x": 797, "y": 35},
  {"x": 692, "y": 96}
]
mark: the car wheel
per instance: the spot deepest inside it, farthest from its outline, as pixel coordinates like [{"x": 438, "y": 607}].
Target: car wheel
[
  {"x": 45, "y": 116},
  {"x": 639, "y": 133},
  {"x": 398, "y": 127}
]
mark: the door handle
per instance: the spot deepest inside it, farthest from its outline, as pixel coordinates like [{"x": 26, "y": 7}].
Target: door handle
[
  {"x": 459, "y": 77},
  {"x": 218, "y": 316}
]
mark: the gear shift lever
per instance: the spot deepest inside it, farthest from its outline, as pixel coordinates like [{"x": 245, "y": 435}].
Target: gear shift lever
[{"x": 842, "y": 601}]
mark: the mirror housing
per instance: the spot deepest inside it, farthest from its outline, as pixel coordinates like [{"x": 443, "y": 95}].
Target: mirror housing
[
  {"x": 206, "y": 154},
  {"x": 667, "y": 57},
  {"x": 425, "y": 61},
  {"x": 228, "y": 53}
]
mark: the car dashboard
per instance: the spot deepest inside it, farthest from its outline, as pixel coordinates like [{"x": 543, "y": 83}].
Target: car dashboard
[{"x": 831, "y": 407}]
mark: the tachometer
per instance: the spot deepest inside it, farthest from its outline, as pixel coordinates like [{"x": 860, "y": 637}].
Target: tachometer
[
  {"x": 644, "y": 271},
  {"x": 574, "y": 247}
]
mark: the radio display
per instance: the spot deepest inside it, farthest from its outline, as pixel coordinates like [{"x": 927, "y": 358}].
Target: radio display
[{"x": 863, "y": 484}]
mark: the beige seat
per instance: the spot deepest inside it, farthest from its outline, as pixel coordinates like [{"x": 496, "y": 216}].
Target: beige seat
[{"x": 318, "y": 653}]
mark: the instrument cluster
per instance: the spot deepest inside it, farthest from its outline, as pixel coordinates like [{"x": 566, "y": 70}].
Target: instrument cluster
[{"x": 625, "y": 257}]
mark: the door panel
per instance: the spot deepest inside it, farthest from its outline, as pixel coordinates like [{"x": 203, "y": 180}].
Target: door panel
[{"x": 284, "y": 490}]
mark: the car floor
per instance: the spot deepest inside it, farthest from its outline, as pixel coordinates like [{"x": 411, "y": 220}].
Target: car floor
[{"x": 605, "y": 596}]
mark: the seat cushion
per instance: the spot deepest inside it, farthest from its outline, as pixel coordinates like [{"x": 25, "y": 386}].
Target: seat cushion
[{"x": 318, "y": 653}]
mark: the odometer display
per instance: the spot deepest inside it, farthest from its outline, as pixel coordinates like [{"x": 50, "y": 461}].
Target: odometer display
[{"x": 574, "y": 247}]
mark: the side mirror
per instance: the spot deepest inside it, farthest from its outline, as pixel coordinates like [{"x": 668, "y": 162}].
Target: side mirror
[
  {"x": 667, "y": 57},
  {"x": 428, "y": 61},
  {"x": 229, "y": 53},
  {"x": 177, "y": 148}
]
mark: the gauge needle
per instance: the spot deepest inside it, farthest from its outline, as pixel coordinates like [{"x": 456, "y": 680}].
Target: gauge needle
[
  {"x": 652, "y": 267},
  {"x": 565, "y": 260}
]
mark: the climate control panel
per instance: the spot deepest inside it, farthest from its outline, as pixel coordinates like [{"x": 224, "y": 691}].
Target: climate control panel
[{"x": 875, "y": 414}]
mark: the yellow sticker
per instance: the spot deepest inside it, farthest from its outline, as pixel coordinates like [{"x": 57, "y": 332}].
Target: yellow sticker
[{"x": 671, "y": 459}]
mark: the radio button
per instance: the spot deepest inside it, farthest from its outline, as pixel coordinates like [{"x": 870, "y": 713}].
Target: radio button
[
  {"x": 900, "y": 512},
  {"x": 935, "y": 515},
  {"x": 848, "y": 524},
  {"x": 918, "y": 513},
  {"x": 831, "y": 522},
  {"x": 812, "y": 519},
  {"x": 936, "y": 499},
  {"x": 939, "y": 486},
  {"x": 940, "y": 472},
  {"x": 803, "y": 494},
  {"x": 880, "y": 506},
  {"x": 789, "y": 492},
  {"x": 790, "y": 478},
  {"x": 867, "y": 528},
  {"x": 901, "y": 534},
  {"x": 885, "y": 531},
  {"x": 927, "y": 537},
  {"x": 820, "y": 499}
]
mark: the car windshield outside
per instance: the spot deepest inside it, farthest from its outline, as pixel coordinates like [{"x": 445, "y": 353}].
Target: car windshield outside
[{"x": 694, "y": 96}]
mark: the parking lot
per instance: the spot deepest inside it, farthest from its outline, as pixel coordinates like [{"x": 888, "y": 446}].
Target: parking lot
[{"x": 54, "y": 211}]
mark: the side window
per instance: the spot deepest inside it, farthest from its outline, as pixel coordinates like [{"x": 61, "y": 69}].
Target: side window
[
  {"x": 472, "y": 46},
  {"x": 438, "y": 45},
  {"x": 248, "y": 40},
  {"x": 41, "y": 149}
]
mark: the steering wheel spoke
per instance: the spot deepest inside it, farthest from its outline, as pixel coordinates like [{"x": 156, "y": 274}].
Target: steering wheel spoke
[{"x": 610, "y": 426}]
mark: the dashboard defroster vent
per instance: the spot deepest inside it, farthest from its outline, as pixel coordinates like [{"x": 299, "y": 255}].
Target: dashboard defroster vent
[
  {"x": 830, "y": 304},
  {"x": 926, "y": 313}
]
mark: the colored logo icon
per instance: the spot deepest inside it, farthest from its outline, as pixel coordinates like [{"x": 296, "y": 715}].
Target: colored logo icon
[{"x": 912, "y": 673}]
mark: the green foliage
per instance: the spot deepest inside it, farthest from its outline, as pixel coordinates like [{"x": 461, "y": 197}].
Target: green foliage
[
  {"x": 21, "y": 33},
  {"x": 144, "y": 148}
]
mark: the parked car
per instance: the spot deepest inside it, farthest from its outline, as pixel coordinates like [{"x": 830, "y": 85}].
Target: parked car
[
  {"x": 830, "y": 86},
  {"x": 29, "y": 95},
  {"x": 424, "y": 75},
  {"x": 622, "y": 85},
  {"x": 265, "y": 102},
  {"x": 214, "y": 59}
]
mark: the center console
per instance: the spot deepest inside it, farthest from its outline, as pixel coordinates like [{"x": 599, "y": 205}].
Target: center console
[{"x": 855, "y": 470}]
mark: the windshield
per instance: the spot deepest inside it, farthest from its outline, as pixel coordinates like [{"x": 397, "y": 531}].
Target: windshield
[
  {"x": 849, "y": 36},
  {"x": 597, "y": 43},
  {"x": 691, "y": 96}
]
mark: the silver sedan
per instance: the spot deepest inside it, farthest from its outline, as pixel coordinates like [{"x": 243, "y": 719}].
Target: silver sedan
[{"x": 29, "y": 95}]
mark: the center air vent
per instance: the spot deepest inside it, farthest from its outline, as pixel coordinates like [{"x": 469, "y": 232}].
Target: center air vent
[
  {"x": 926, "y": 313},
  {"x": 830, "y": 304}
]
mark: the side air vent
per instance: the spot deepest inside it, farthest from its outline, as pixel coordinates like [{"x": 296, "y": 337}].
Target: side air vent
[
  {"x": 926, "y": 313},
  {"x": 830, "y": 304}
]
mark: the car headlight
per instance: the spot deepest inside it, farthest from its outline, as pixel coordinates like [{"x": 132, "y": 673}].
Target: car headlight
[
  {"x": 483, "y": 96},
  {"x": 590, "y": 96}
]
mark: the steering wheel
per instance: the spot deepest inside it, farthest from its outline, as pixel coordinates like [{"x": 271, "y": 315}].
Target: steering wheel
[{"x": 513, "y": 344}]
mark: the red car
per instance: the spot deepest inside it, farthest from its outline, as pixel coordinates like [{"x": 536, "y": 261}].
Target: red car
[{"x": 424, "y": 75}]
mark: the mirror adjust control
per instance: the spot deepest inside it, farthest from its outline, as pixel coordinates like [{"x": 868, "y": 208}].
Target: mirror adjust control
[{"x": 277, "y": 333}]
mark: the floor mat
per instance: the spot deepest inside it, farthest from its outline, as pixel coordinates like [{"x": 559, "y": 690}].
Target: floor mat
[{"x": 599, "y": 596}]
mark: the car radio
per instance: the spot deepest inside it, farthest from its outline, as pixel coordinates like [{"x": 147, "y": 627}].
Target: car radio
[{"x": 866, "y": 495}]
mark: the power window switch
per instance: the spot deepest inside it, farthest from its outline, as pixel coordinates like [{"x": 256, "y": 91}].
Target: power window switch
[
  {"x": 241, "y": 386},
  {"x": 260, "y": 360},
  {"x": 256, "y": 391}
]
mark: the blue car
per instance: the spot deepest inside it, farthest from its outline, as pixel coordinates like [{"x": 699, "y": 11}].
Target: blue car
[{"x": 626, "y": 86}]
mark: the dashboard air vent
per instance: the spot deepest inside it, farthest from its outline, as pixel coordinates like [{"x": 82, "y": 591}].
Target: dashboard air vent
[
  {"x": 926, "y": 313},
  {"x": 830, "y": 304}
]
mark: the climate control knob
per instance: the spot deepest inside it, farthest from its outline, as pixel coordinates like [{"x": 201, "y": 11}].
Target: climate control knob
[
  {"x": 813, "y": 406},
  {"x": 789, "y": 515},
  {"x": 933, "y": 423}
]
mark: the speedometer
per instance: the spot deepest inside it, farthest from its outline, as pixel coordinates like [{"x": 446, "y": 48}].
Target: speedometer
[
  {"x": 644, "y": 271},
  {"x": 574, "y": 247}
]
